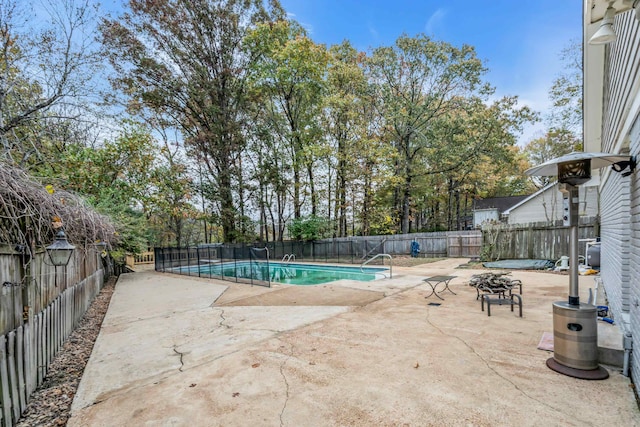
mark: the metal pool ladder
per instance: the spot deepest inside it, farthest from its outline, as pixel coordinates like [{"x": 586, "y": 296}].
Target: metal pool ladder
[
  {"x": 380, "y": 256},
  {"x": 288, "y": 257}
]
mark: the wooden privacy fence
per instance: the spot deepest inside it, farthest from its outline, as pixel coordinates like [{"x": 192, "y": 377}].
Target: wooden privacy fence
[
  {"x": 533, "y": 241},
  {"x": 38, "y": 312},
  {"x": 463, "y": 244}
]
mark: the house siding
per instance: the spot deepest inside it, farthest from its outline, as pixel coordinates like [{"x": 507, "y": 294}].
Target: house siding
[
  {"x": 634, "y": 256},
  {"x": 481, "y": 216},
  {"x": 547, "y": 206},
  {"x": 620, "y": 196},
  {"x": 615, "y": 246},
  {"x": 622, "y": 60}
]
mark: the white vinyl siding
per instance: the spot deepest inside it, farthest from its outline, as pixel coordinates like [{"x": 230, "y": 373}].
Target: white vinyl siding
[
  {"x": 547, "y": 206},
  {"x": 634, "y": 255},
  {"x": 619, "y": 133},
  {"x": 614, "y": 232},
  {"x": 485, "y": 215},
  {"x": 622, "y": 60}
]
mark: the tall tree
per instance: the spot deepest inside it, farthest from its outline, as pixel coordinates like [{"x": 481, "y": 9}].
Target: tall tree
[
  {"x": 117, "y": 178},
  {"x": 169, "y": 205},
  {"x": 289, "y": 75},
  {"x": 420, "y": 80},
  {"x": 344, "y": 123},
  {"x": 482, "y": 154},
  {"x": 566, "y": 92},
  {"x": 186, "y": 58},
  {"x": 46, "y": 69},
  {"x": 268, "y": 155}
]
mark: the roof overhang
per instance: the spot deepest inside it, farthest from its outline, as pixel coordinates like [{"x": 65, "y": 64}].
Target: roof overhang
[
  {"x": 594, "y": 75},
  {"x": 593, "y": 68},
  {"x": 595, "y": 9}
]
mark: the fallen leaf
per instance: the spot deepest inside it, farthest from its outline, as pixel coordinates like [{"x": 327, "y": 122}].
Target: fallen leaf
[{"x": 255, "y": 365}]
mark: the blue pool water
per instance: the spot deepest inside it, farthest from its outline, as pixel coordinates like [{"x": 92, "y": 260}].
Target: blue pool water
[{"x": 294, "y": 274}]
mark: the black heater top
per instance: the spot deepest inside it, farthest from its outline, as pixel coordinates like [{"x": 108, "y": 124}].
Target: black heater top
[
  {"x": 574, "y": 172},
  {"x": 596, "y": 161}
]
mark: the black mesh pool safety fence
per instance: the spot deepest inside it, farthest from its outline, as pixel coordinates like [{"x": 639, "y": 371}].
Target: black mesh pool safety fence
[{"x": 250, "y": 263}]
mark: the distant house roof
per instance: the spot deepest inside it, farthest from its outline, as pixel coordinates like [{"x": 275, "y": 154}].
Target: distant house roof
[{"x": 499, "y": 203}]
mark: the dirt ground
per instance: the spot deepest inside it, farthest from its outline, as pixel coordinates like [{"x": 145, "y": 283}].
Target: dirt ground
[{"x": 178, "y": 351}]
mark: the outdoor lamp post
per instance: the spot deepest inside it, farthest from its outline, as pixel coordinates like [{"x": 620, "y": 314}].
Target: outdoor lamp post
[
  {"x": 575, "y": 332},
  {"x": 60, "y": 250},
  {"x": 59, "y": 253}
]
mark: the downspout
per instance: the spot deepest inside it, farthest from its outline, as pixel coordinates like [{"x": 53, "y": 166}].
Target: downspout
[{"x": 627, "y": 343}]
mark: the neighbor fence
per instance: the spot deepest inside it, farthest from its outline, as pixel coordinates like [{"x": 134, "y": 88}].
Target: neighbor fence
[
  {"x": 533, "y": 241},
  {"x": 40, "y": 305},
  {"x": 454, "y": 244}
]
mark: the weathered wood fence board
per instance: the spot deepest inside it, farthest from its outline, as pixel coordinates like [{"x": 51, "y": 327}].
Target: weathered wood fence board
[
  {"x": 20, "y": 359},
  {"x": 464, "y": 245},
  {"x": 27, "y": 349},
  {"x": 5, "y": 397},
  {"x": 532, "y": 241},
  {"x": 13, "y": 375},
  {"x": 434, "y": 244}
]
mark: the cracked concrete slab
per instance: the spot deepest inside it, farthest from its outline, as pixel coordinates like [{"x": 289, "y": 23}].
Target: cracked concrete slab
[
  {"x": 393, "y": 361},
  {"x": 147, "y": 335},
  {"x": 319, "y": 295}
]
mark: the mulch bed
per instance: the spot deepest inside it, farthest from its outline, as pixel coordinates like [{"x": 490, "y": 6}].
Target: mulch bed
[{"x": 50, "y": 404}]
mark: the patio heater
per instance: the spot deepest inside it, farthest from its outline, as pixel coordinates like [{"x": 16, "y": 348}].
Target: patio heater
[{"x": 575, "y": 331}]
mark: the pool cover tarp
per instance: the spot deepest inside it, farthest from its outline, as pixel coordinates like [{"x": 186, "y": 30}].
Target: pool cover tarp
[{"x": 521, "y": 264}]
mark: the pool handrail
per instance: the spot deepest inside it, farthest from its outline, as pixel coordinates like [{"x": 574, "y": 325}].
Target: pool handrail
[
  {"x": 379, "y": 256},
  {"x": 288, "y": 257},
  {"x": 375, "y": 248}
]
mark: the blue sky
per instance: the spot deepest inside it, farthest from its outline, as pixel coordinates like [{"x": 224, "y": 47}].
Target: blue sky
[{"x": 518, "y": 40}]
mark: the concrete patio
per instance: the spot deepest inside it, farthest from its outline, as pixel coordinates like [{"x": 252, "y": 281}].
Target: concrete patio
[{"x": 180, "y": 351}]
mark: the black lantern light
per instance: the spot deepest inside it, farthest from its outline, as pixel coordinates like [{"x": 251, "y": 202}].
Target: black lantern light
[{"x": 60, "y": 250}]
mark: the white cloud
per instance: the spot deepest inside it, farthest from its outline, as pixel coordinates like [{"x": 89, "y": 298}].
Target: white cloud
[
  {"x": 435, "y": 21},
  {"x": 373, "y": 31},
  {"x": 307, "y": 27}
]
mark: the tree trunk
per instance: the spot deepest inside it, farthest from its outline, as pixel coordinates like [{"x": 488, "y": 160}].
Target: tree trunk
[
  {"x": 227, "y": 210},
  {"x": 406, "y": 203},
  {"x": 241, "y": 200},
  {"x": 343, "y": 208},
  {"x": 281, "y": 200},
  {"x": 367, "y": 200},
  {"x": 297, "y": 204},
  {"x": 458, "y": 210},
  {"x": 314, "y": 196}
]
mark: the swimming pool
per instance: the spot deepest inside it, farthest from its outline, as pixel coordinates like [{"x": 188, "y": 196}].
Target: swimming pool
[{"x": 289, "y": 273}]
